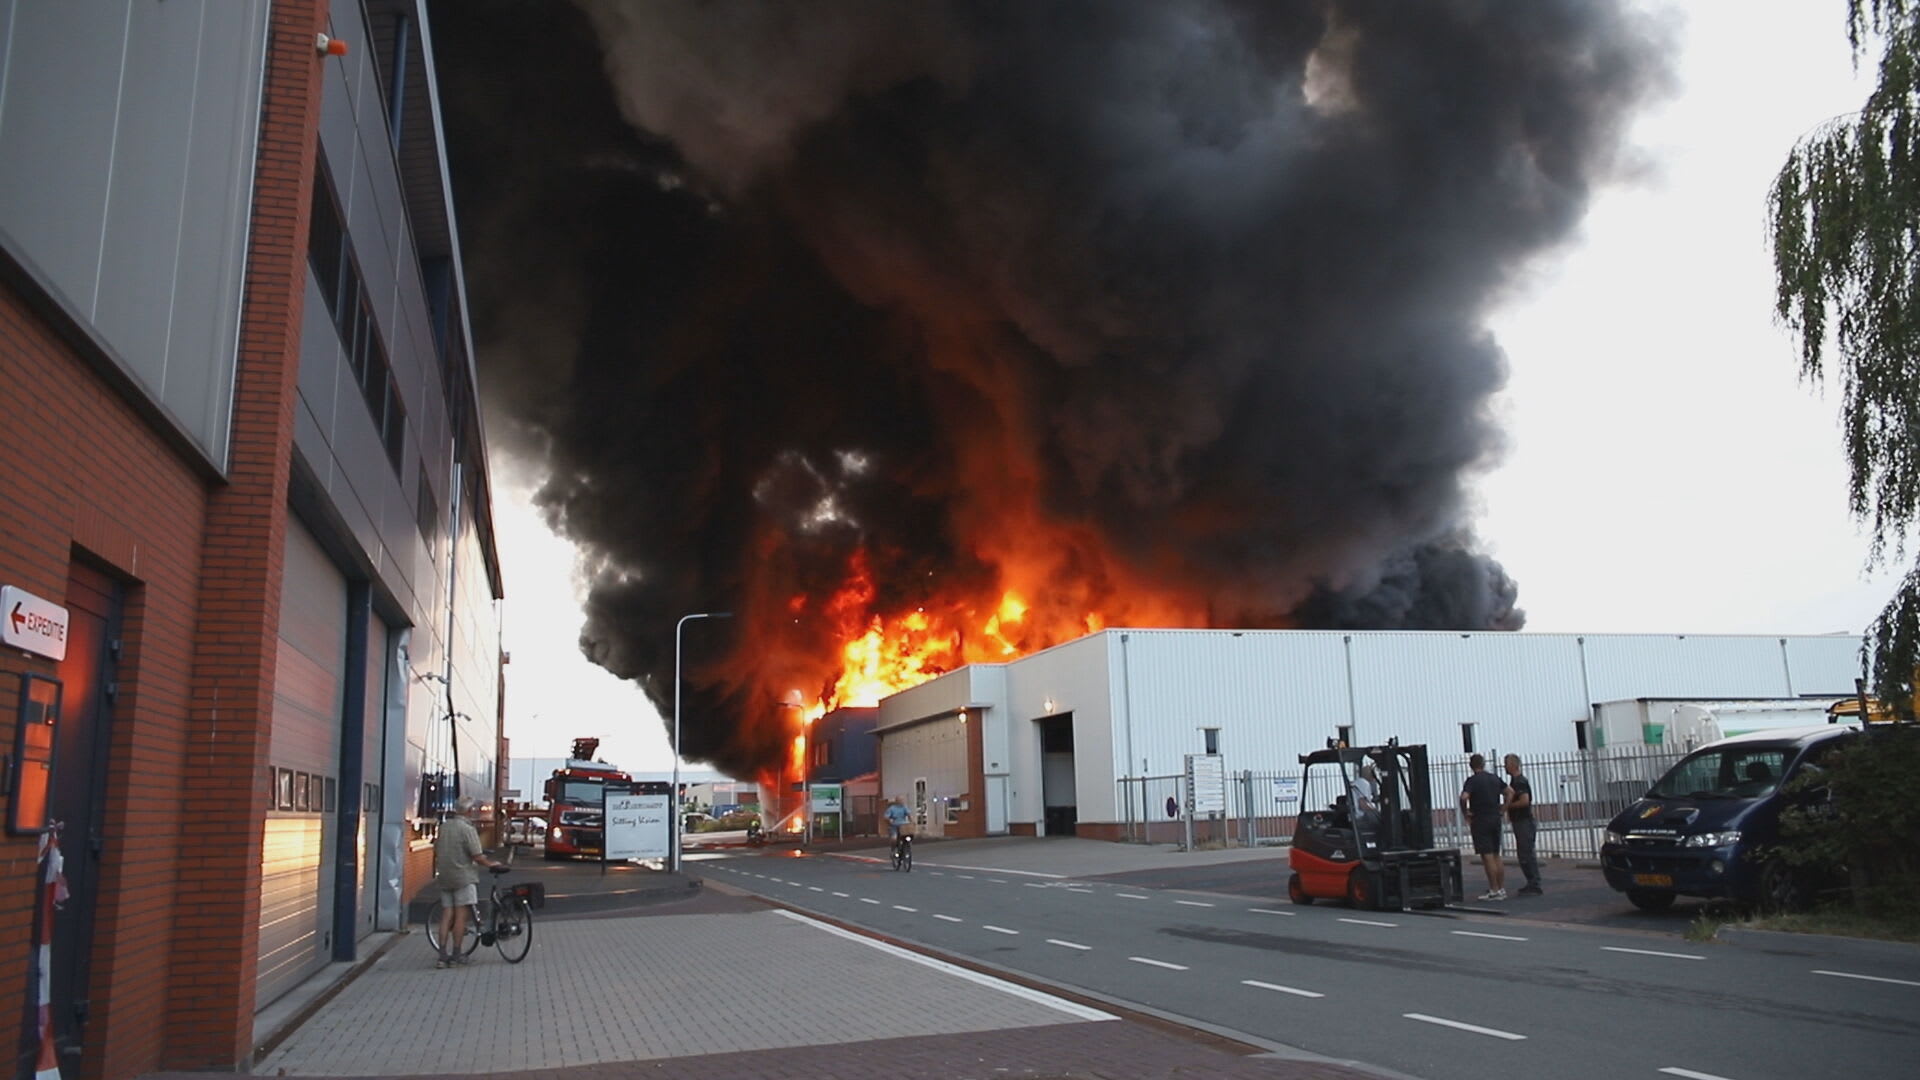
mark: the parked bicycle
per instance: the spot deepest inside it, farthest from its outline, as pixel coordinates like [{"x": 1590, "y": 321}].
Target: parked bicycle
[
  {"x": 506, "y": 924},
  {"x": 903, "y": 851}
]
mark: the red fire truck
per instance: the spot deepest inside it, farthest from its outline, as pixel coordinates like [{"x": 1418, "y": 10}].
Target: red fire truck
[{"x": 575, "y": 800}]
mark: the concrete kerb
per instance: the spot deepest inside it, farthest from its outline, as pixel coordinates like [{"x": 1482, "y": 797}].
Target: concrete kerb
[
  {"x": 1238, "y": 1042},
  {"x": 1782, "y": 943}
]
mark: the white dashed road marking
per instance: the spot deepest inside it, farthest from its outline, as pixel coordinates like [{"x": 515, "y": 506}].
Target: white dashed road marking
[
  {"x": 840, "y": 894},
  {"x": 1368, "y": 922},
  {"x": 903, "y": 907},
  {"x": 1193, "y": 903},
  {"x": 1869, "y": 978},
  {"x": 1651, "y": 952},
  {"x": 998, "y": 881},
  {"x": 816, "y": 888},
  {"x": 948, "y": 918},
  {"x": 1072, "y": 889},
  {"x": 1282, "y": 989},
  {"x": 1673, "y": 1070},
  {"x": 1132, "y": 896},
  {"x": 969, "y": 877},
  {"x": 997, "y": 929},
  {"x": 1475, "y": 1028},
  {"x": 1496, "y": 937},
  {"x": 868, "y": 900},
  {"x": 1157, "y": 963},
  {"x": 1068, "y": 944},
  {"x": 1269, "y": 911}
]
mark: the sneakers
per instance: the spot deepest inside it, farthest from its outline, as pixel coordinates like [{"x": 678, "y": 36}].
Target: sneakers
[
  {"x": 1531, "y": 890},
  {"x": 1493, "y": 894}
]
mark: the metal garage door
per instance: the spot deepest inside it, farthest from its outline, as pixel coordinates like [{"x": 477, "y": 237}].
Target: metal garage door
[{"x": 296, "y": 857}]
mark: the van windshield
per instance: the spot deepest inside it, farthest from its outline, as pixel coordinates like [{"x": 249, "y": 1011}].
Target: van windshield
[{"x": 1733, "y": 772}]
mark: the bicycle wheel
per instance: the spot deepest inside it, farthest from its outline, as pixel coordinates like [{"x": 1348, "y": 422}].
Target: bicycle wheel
[
  {"x": 906, "y": 856},
  {"x": 513, "y": 929},
  {"x": 896, "y": 854},
  {"x": 472, "y": 935}
]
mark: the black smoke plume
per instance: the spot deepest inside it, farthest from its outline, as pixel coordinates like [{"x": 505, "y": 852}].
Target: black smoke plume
[{"x": 1172, "y": 298}]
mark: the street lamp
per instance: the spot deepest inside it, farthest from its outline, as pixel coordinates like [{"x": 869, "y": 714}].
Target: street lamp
[{"x": 673, "y": 800}]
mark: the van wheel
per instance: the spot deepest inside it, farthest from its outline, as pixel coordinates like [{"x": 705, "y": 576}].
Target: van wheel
[
  {"x": 1297, "y": 892},
  {"x": 1650, "y": 901},
  {"x": 1779, "y": 888}
]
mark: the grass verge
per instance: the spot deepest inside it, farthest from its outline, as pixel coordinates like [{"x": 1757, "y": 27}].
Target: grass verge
[{"x": 1835, "y": 921}]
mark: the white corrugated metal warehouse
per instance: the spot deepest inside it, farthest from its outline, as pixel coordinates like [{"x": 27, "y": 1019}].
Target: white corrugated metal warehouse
[{"x": 1039, "y": 744}]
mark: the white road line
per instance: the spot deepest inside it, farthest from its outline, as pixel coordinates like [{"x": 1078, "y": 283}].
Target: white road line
[
  {"x": 1132, "y": 896},
  {"x": 1269, "y": 911},
  {"x": 1193, "y": 903},
  {"x": 1033, "y": 885},
  {"x": 868, "y": 900},
  {"x": 816, "y": 888},
  {"x": 936, "y": 873},
  {"x": 1004, "y": 870},
  {"x": 1651, "y": 952},
  {"x": 1368, "y": 922},
  {"x": 1496, "y": 937},
  {"x": 1869, "y": 978},
  {"x": 840, "y": 894},
  {"x": 1282, "y": 989},
  {"x": 1157, "y": 963},
  {"x": 997, "y": 929},
  {"x": 948, "y": 918},
  {"x": 903, "y": 907},
  {"x": 1068, "y": 944},
  {"x": 1672, "y": 1070},
  {"x": 998, "y": 881},
  {"x": 782, "y": 881},
  {"x": 1088, "y": 892},
  {"x": 969, "y": 877},
  {"x": 1070, "y": 1008},
  {"x": 1475, "y": 1028}
]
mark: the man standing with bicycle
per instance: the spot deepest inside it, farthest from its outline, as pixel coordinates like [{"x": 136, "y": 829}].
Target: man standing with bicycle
[{"x": 456, "y": 854}]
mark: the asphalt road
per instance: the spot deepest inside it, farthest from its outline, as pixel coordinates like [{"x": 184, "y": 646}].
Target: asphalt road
[{"x": 1432, "y": 996}]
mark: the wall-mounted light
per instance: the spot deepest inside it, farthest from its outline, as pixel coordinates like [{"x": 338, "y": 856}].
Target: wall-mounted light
[
  {"x": 963, "y": 716},
  {"x": 329, "y": 46},
  {"x": 1047, "y": 705}
]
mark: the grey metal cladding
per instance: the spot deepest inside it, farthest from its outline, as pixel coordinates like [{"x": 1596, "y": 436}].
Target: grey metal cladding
[{"x": 127, "y": 137}]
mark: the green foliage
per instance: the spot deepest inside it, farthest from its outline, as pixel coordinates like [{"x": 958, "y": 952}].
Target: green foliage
[
  {"x": 1845, "y": 218},
  {"x": 1870, "y": 824}
]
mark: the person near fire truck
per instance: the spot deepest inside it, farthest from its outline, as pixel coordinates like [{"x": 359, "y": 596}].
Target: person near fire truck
[{"x": 456, "y": 854}]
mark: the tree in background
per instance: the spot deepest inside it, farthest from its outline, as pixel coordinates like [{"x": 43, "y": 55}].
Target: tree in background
[{"x": 1845, "y": 216}]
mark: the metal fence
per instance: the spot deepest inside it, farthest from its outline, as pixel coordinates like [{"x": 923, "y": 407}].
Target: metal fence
[{"x": 1574, "y": 796}]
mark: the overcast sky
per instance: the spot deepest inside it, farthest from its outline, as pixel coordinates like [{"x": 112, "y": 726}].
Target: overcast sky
[{"x": 1666, "y": 469}]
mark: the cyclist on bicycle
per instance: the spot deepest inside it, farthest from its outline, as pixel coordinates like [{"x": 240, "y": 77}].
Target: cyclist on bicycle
[
  {"x": 897, "y": 818},
  {"x": 456, "y": 851}
]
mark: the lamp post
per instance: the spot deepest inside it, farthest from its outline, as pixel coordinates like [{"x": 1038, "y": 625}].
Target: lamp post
[{"x": 673, "y": 800}]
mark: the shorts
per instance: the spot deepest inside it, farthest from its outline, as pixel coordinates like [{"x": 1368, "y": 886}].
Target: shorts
[
  {"x": 1486, "y": 838},
  {"x": 464, "y": 896}
]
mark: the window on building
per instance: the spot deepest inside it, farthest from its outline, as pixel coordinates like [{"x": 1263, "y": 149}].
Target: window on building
[
  {"x": 1344, "y": 733},
  {"x": 1466, "y": 738},
  {"x": 330, "y": 257},
  {"x": 427, "y": 513}
]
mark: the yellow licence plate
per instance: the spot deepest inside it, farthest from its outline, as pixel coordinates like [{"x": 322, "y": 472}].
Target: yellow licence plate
[{"x": 1653, "y": 879}]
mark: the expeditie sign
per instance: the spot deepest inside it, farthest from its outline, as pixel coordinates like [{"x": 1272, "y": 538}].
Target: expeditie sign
[
  {"x": 31, "y": 623},
  {"x": 636, "y": 827}
]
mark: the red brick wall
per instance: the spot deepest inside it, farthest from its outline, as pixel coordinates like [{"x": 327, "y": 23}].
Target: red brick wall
[
  {"x": 99, "y": 481},
  {"x": 209, "y": 1019}
]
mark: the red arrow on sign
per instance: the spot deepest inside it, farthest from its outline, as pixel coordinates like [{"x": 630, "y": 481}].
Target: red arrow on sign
[{"x": 18, "y": 618}]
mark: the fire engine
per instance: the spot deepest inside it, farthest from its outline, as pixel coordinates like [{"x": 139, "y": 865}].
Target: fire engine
[{"x": 575, "y": 799}]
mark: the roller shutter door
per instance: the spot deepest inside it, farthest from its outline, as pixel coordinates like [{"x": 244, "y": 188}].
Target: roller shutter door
[{"x": 296, "y": 856}]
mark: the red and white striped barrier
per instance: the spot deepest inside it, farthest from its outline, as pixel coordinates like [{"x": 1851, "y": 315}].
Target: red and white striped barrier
[{"x": 53, "y": 882}]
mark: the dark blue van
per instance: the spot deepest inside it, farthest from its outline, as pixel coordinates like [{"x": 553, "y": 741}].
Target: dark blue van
[{"x": 1703, "y": 828}]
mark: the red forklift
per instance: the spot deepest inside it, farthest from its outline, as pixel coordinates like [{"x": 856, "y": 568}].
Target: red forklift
[{"x": 1373, "y": 844}]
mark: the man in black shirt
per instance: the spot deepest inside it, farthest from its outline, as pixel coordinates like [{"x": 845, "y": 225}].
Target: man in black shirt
[
  {"x": 1483, "y": 798},
  {"x": 1520, "y": 814}
]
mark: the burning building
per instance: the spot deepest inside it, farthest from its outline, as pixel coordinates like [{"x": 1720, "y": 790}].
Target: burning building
[{"x": 929, "y": 335}]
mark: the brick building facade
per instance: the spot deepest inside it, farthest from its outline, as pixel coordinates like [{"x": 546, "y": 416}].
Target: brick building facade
[{"x": 248, "y": 467}]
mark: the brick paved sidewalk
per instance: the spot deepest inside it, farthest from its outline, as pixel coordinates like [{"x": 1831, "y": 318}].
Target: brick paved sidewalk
[{"x": 1116, "y": 1050}]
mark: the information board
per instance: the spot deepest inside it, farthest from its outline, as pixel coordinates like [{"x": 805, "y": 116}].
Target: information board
[
  {"x": 1206, "y": 784},
  {"x": 637, "y": 826},
  {"x": 1286, "y": 790}
]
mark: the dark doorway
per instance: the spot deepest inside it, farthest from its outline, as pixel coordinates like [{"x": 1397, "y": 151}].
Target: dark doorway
[
  {"x": 1061, "y": 805},
  {"x": 78, "y": 798}
]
